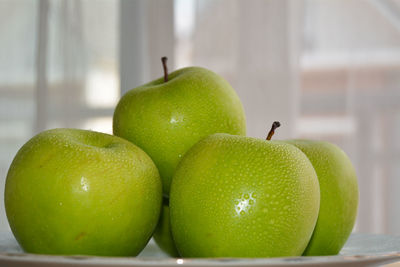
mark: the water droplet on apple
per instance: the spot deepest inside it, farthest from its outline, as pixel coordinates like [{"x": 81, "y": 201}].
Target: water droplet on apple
[{"x": 84, "y": 184}]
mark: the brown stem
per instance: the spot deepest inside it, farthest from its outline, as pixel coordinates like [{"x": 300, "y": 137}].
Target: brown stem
[
  {"x": 164, "y": 63},
  {"x": 275, "y": 125}
]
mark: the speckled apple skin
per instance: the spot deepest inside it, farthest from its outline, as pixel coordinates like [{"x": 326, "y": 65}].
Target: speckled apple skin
[
  {"x": 339, "y": 196},
  {"x": 166, "y": 118},
  {"x": 72, "y": 191},
  {"x": 234, "y": 196},
  {"x": 163, "y": 236}
]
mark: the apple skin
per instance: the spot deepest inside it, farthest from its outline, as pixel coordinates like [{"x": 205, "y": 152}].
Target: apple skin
[
  {"x": 165, "y": 119},
  {"x": 163, "y": 236},
  {"x": 234, "y": 196},
  {"x": 339, "y": 196},
  {"x": 72, "y": 191}
]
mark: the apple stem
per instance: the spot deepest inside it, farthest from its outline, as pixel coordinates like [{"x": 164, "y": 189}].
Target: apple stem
[
  {"x": 164, "y": 63},
  {"x": 275, "y": 125}
]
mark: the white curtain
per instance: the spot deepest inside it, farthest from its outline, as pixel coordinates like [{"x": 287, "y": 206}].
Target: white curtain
[
  {"x": 326, "y": 69},
  {"x": 350, "y": 95},
  {"x": 58, "y": 68}
]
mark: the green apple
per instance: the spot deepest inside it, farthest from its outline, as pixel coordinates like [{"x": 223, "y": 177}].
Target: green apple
[
  {"x": 169, "y": 115},
  {"x": 162, "y": 235},
  {"x": 72, "y": 191},
  {"x": 235, "y": 196},
  {"x": 339, "y": 196}
]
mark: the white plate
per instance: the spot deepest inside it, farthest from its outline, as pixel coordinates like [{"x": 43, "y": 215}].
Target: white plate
[{"x": 360, "y": 250}]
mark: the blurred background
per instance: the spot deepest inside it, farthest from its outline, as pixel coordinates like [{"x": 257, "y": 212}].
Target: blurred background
[{"x": 326, "y": 69}]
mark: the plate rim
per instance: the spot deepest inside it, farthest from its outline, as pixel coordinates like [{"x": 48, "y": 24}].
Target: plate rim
[{"x": 148, "y": 261}]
